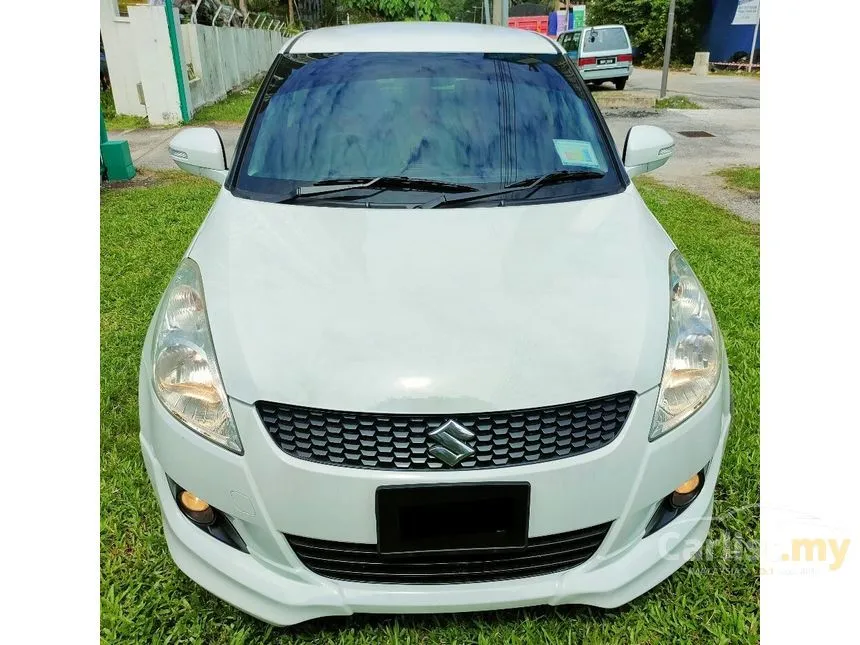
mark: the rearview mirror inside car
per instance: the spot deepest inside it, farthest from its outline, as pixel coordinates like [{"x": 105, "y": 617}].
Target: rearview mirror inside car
[{"x": 646, "y": 148}]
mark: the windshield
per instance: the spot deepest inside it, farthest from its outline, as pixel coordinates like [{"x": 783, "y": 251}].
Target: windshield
[
  {"x": 481, "y": 120},
  {"x": 599, "y": 40}
]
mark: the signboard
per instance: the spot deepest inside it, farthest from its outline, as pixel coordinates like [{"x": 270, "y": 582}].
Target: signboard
[
  {"x": 578, "y": 17},
  {"x": 746, "y": 13}
]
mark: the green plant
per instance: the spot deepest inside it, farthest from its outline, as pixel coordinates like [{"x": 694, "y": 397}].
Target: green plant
[
  {"x": 394, "y": 10},
  {"x": 233, "y": 107},
  {"x": 743, "y": 178},
  {"x": 677, "y": 102},
  {"x": 114, "y": 121}
]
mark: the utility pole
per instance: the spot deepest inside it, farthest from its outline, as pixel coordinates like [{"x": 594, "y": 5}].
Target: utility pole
[
  {"x": 667, "y": 51},
  {"x": 752, "y": 50},
  {"x": 485, "y": 17}
]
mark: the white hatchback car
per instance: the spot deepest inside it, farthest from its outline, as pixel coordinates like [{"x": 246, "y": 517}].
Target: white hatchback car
[{"x": 519, "y": 398}]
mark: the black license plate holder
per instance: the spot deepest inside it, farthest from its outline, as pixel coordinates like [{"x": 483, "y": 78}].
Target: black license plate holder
[
  {"x": 608, "y": 60},
  {"x": 439, "y": 518}
]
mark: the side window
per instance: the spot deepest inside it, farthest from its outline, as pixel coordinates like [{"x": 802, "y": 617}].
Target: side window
[{"x": 570, "y": 41}]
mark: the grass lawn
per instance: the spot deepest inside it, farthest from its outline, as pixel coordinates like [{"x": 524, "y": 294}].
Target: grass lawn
[
  {"x": 232, "y": 108},
  {"x": 145, "y": 598},
  {"x": 745, "y": 178},
  {"x": 658, "y": 66},
  {"x": 735, "y": 72},
  {"x": 114, "y": 121},
  {"x": 678, "y": 102}
]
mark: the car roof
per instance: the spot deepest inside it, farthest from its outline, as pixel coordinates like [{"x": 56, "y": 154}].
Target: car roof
[{"x": 420, "y": 37}]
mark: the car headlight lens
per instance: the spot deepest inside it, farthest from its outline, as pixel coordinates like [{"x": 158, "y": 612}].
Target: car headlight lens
[
  {"x": 692, "y": 367},
  {"x": 185, "y": 371}
]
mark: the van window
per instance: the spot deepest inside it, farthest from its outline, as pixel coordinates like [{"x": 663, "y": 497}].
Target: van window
[
  {"x": 598, "y": 40},
  {"x": 570, "y": 40}
]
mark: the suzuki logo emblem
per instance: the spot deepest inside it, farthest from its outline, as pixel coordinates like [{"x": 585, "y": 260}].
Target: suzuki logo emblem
[{"x": 451, "y": 438}]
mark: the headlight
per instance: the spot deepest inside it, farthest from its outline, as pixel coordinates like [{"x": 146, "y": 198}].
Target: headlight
[
  {"x": 185, "y": 371},
  {"x": 692, "y": 366}
]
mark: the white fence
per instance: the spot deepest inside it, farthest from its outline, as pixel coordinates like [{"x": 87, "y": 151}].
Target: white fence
[
  {"x": 215, "y": 60},
  {"x": 224, "y": 58}
]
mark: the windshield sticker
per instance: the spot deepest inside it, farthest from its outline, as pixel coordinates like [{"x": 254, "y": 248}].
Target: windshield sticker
[{"x": 576, "y": 153}]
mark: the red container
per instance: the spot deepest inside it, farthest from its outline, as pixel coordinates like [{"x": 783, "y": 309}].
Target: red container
[{"x": 539, "y": 24}]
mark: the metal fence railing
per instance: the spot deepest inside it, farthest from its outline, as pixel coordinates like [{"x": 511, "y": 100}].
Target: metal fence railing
[{"x": 225, "y": 14}]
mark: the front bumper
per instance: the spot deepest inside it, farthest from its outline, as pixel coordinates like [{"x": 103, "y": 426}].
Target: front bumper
[{"x": 266, "y": 493}]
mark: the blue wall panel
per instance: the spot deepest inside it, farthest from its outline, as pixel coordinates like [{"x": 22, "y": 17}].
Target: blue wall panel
[{"x": 724, "y": 39}]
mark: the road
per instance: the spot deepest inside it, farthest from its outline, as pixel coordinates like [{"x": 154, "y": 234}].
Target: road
[
  {"x": 735, "y": 142},
  {"x": 713, "y": 91}
]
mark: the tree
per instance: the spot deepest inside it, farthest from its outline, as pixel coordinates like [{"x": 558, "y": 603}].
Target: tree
[
  {"x": 395, "y": 10},
  {"x": 646, "y": 23}
]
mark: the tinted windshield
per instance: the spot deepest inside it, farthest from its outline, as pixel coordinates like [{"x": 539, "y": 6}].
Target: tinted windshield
[
  {"x": 483, "y": 120},
  {"x": 598, "y": 40}
]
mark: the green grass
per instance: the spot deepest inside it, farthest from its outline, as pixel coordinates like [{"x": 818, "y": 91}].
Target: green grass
[
  {"x": 114, "y": 121},
  {"x": 678, "y": 102},
  {"x": 735, "y": 72},
  {"x": 745, "y": 178},
  {"x": 232, "y": 108},
  {"x": 144, "y": 597},
  {"x": 657, "y": 65}
]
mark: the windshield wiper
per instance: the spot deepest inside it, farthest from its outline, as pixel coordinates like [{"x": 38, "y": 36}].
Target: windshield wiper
[
  {"x": 329, "y": 186},
  {"x": 533, "y": 183}
]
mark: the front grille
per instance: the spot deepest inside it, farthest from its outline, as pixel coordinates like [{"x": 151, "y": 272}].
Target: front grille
[
  {"x": 399, "y": 441},
  {"x": 363, "y": 563}
]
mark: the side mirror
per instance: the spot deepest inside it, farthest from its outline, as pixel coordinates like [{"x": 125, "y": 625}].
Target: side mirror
[
  {"x": 200, "y": 151},
  {"x": 646, "y": 148}
]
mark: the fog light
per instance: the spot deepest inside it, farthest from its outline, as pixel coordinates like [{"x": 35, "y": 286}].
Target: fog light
[
  {"x": 686, "y": 492},
  {"x": 196, "y": 509}
]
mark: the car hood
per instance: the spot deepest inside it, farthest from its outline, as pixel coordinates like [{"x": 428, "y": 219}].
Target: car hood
[{"x": 435, "y": 311}]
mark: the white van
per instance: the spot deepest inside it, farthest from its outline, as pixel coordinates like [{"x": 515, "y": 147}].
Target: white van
[{"x": 603, "y": 53}]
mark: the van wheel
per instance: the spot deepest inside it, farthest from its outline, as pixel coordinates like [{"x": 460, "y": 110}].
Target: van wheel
[{"x": 619, "y": 85}]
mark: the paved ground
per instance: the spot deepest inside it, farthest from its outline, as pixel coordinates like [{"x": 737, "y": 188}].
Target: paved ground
[
  {"x": 715, "y": 90},
  {"x": 733, "y": 119},
  {"x": 735, "y": 143},
  {"x": 149, "y": 145}
]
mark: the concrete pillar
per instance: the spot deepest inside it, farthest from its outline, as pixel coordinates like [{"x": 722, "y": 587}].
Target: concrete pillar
[
  {"x": 151, "y": 42},
  {"x": 121, "y": 60},
  {"x": 497, "y": 12},
  {"x": 701, "y": 64}
]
